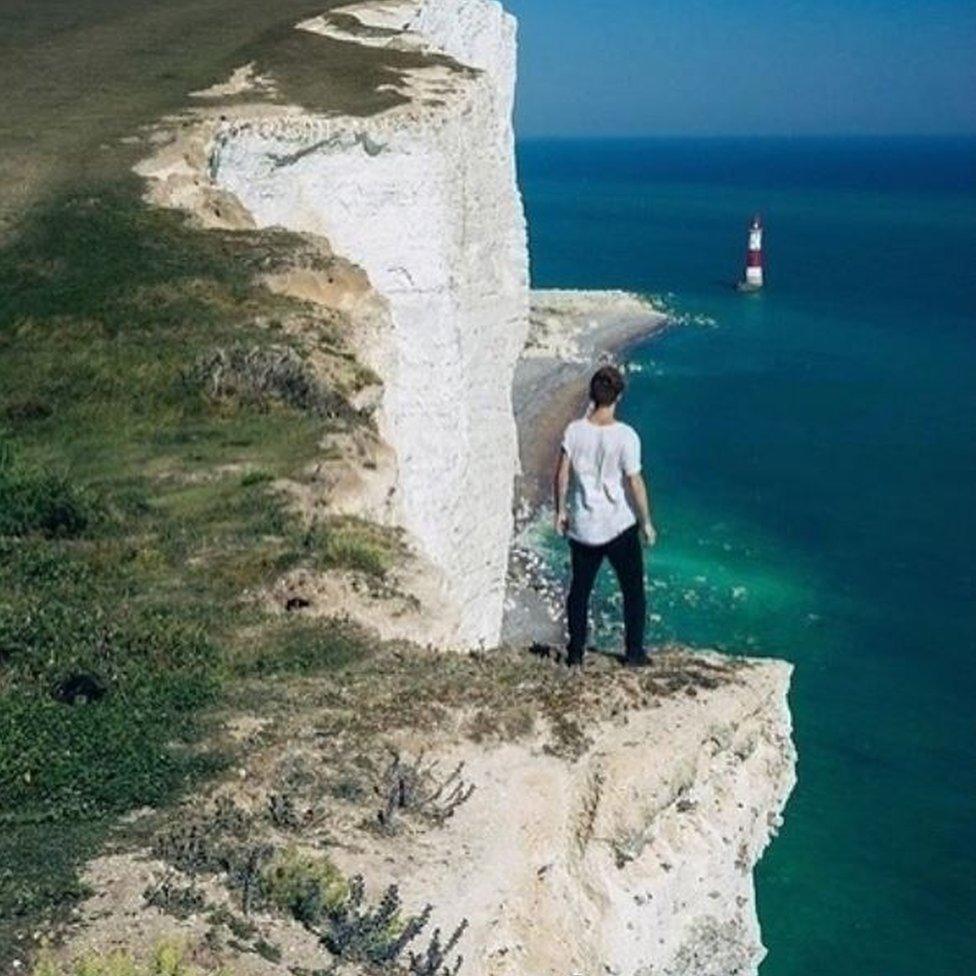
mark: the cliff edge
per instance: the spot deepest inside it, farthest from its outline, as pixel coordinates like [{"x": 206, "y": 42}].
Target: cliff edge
[
  {"x": 553, "y": 823},
  {"x": 421, "y": 196},
  {"x": 557, "y": 823}
]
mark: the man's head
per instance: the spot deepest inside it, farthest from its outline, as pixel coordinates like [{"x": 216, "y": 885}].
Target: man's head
[{"x": 606, "y": 386}]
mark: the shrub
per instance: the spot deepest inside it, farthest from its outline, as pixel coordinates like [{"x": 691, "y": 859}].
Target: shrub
[
  {"x": 245, "y": 873},
  {"x": 176, "y": 899},
  {"x": 282, "y": 812},
  {"x": 37, "y": 501},
  {"x": 416, "y": 787},
  {"x": 169, "y": 959},
  {"x": 253, "y": 478},
  {"x": 358, "y": 932},
  {"x": 204, "y": 844},
  {"x": 26, "y": 410},
  {"x": 378, "y": 936},
  {"x": 434, "y": 960},
  {"x": 262, "y": 375},
  {"x": 306, "y": 886}
]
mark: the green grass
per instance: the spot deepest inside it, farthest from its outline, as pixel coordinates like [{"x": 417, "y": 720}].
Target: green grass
[
  {"x": 348, "y": 543},
  {"x": 135, "y": 510},
  {"x": 168, "y": 959},
  {"x": 296, "y": 647},
  {"x": 40, "y": 501},
  {"x": 327, "y": 75}
]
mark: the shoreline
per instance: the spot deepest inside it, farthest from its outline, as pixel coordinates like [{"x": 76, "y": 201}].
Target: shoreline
[{"x": 571, "y": 334}]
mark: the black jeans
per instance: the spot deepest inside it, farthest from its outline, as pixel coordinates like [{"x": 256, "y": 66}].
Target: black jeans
[{"x": 627, "y": 559}]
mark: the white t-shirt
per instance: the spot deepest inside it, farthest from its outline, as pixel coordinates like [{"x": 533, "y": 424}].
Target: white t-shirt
[{"x": 600, "y": 458}]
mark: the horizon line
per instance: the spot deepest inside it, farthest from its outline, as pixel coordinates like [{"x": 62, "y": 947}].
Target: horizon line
[{"x": 870, "y": 136}]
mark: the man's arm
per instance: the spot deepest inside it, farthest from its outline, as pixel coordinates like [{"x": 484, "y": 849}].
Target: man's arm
[
  {"x": 643, "y": 504},
  {"x": 560, "y": 490}
]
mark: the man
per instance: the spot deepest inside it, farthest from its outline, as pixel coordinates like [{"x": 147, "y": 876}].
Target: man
[{"x": 602, "y": 506}]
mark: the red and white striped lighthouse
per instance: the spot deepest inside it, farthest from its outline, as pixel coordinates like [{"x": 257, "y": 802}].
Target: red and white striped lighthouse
[{"x": 754, "y": 265}]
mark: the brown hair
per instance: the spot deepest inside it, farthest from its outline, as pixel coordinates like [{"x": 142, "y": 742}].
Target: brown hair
[{"x": 606, "y": 386}]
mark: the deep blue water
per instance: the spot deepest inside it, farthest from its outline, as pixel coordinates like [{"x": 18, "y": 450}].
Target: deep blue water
[{"x": 813, "y": 460}]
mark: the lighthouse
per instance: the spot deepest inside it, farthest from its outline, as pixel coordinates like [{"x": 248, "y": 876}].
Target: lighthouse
[{"x": 754, "y": 269}]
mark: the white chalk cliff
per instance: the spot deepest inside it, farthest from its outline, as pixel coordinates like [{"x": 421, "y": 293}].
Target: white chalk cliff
[
  {"x": 424, "y": 198},
  {"x": 636, "y": 859},
  {"x": 628, "y": 850}
]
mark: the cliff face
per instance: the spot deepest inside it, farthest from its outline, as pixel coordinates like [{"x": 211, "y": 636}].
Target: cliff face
[
  {"x": 608, "y": 823},
  {"x": 423, "y": 197},
  {"x": 635, "y": 857}
]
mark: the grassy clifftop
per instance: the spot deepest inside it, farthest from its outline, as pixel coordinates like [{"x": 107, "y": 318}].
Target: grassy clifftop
[{"x": 149, "y": 394}]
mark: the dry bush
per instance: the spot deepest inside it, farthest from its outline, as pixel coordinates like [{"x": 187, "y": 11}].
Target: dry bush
[{"x": 415, "y": 787}]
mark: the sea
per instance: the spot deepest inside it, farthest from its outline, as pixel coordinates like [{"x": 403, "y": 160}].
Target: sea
[{"x": 811, "y": 451}]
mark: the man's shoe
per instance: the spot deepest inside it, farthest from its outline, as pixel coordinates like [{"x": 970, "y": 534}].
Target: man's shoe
[
  {"x": 574, "y": 660},
  {"x": 640, "y": 660}
]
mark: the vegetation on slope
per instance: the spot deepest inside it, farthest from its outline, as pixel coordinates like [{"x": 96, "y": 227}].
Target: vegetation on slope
[
  {"x": 168, "y": 959},
  {"x": 136, "y": 515},
  {"x": 320, "y": 776}
]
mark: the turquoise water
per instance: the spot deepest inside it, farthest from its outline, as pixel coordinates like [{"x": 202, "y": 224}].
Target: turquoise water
[{"x": 812, "y": 459}]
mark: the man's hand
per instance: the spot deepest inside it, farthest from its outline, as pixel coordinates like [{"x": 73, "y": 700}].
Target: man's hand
[
  {"x": 642, "y": 508},
  {"x": 561, "y": 522}
]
